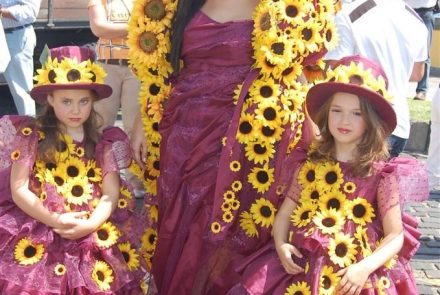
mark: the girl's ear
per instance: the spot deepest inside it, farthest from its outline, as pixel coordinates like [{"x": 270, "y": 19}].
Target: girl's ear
[{"x": 50, "y": 99}]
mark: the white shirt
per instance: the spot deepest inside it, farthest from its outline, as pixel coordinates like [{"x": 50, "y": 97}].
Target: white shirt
[
  {"x": 24, "y": 11},
  {"x": 391, "y": 34},
  {"x": 421, "y": 3}
]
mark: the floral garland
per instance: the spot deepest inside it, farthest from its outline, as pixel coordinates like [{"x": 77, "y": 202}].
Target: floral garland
[
  {"x": 287, "y": 34},
  {"x": 326, "y": 203}
]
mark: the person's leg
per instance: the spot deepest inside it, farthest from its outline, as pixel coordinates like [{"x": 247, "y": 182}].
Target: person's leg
[
  {"x": 397, "y": 144},
  {"x": 129, "y": 99},
  {"x": 108, "y": 107},
  {"x": 20, "y": 71},
  {"x": 422, "y": 85},
  {"x": 433, "y": 161}
]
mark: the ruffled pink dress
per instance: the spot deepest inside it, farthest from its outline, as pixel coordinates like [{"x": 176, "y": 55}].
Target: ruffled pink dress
[
  {"x": 359, "y": 204},
  {"x": 35, "y": 260}
]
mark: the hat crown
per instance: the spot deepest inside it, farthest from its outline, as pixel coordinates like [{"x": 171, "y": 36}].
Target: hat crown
[{"x": 80, "y": 53}]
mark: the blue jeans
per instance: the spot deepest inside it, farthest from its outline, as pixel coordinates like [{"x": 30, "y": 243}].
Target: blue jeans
[
  {"x": 427, "y": 15},
  {"x": 397, "y": 144}
]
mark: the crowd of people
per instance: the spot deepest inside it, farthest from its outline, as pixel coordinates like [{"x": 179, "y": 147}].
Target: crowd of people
[{"x": 257, "y": 176}]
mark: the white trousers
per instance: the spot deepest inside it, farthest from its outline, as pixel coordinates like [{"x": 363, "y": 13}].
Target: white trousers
[{"x": 433, "y": 162}]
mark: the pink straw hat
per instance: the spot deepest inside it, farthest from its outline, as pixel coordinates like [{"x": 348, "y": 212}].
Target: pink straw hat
[
  {"x": 356, "y": 75},
  {"x": 70, "y": 67}
]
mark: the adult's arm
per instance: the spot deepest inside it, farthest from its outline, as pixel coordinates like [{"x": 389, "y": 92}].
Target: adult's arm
[
  {"x": 99, "y": 24},
  {"x": 24, "y": 13},
  {"x": 417, "y": 71}
]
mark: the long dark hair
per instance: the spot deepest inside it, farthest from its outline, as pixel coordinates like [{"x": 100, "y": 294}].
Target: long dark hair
[
  {"x": 48, "y": 123},
  {"x": 185, "y": 11}
]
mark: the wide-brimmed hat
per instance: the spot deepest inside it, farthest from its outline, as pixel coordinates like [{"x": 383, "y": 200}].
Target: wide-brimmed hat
[
  {"x": 359, "y": 76},
  {"x": 70, "y": 67}
]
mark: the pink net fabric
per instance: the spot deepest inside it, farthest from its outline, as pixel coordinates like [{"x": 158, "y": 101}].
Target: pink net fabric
[{"x": 113, "y": 151}]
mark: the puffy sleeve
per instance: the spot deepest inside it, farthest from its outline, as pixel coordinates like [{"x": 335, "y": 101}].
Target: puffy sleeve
[
  {"x": 113, "y": 151},
  {"x": 403, "y": 179},
  {"x": 18, "y": 141},
  {"x": 288, "y": 185}
]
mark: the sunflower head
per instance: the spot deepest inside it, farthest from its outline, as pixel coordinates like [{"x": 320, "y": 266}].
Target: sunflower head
[{"x": 27, "y": 252}]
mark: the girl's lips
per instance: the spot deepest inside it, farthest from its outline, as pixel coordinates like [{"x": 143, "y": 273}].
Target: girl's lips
[
  {"x": 343, "y": 130},
  {"x": 74, "y": 119}
]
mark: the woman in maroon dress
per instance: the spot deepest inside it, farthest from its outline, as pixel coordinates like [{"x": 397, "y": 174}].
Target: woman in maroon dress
[{"x": 222, "y": 145}]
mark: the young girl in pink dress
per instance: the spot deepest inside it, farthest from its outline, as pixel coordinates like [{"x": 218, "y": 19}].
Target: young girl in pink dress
[
  {"x": 341, "y": 229},
  {"x": 67, "y": 223}
]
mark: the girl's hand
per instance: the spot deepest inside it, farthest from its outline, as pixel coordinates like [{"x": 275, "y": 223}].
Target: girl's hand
[
  {"x": 69, "y": 220},
  {"x": 285, "y": 252},
  {"x": 78, "y": 228},
  {"x": 353, "y": 279}
]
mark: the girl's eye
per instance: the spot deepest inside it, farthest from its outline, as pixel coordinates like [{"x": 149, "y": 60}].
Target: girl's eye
[
  {"x": 66, "y": 101},
  {"x": 85, "y": 101},
  {"x": 357, "y": 113},
  {"x": 335, "y": 110}
]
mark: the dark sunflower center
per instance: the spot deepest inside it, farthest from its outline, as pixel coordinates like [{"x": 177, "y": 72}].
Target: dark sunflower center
[
  {"x": 126, "y": 256},
  {"x": 291, "y": 11},
  {"x": 328, "y": 222},
  {"x": 60, "y": 269},
  {"x": 298, "y": 293},
  {"x": 359, "y": 210},
  {"x": 265, "y": 21},
  {"x": 30, "y": 251},
  {"x": 307, "y": 34},
  {"x": 51, "y": 76},
  {"x": 58, "y": 180},
  {"x": 156, "y": 165},
  {"x": 93, "y": 76},
  {"x": 91, "y": 173},
  {"x": 341, "y": 250},
  {"x": 50, "y": 166},
  {"x": 152, "y": 238},
  {"x": 154, "y": 89},
  {"x": 333, "y": 203},
  {"x": 314, "y": 195},
  {"x": 267, "y": 131},
  {"x": 77, "y": 191},
  {"x": 148, "y": 42},
  {"x": 331, "y": 177},
  {"x": 356, "y": 79},
  {"x": 305, "y": 215},
  {"x": 278, "y": 48},
  {"x": 100, "y": 275},
  {"x": 266, "y": 211},
  {"x": 103, "y": 235},
  {"x": 260, "y": 149},
  {"x": 268, "y": 63},
  {"x": 270, "y": 114},
  {"x": 245, "y": 127},
  {"x": 155, "y": 10},
  {"x": 72, "y": 171},
  {"x": 156, "y": 126},
  {"x": 287, "y": 71},
  {"x": 349, "y": 188},
  {"x": 364, "y": 242},
  {"x": 266, "y": 91},
  {"x": 328, "y": 35},
  {"x": 73, "y": 75},
  {"x": 310, "y": 175},
  {"x": 262, "y": 177},
  {"x": 61, "y": 147},
  {"x": 326, "y": 282}
]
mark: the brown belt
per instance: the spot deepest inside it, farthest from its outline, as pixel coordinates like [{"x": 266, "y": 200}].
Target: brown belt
[{"x": 112, "y": 61}]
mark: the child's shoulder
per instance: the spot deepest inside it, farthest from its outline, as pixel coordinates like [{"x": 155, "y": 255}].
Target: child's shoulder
[
  {"x": 114, "y": 147},
  {"x": 113, "y": 134}
]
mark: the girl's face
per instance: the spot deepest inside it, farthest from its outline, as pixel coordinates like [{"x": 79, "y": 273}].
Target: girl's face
[
  {"x": 345, "y": 120},
  {"x": 72, "y": 107}
]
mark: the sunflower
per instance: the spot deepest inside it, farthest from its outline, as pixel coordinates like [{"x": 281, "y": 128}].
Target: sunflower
[
  {"x": 392, "y": 262},
  {"x": 384, "y": 283},
  {"x": 107, "y": 235},
  {"x": 342, "y": 251},
  {"x": 57, "y": 176},
  {"x": 228, "y": 217},
  {"x": 333, "y": 199},
  {"x": 224, "y": 140},
  {"x": 93, "y": 173},
  {"x": 130, "y": 255},
  {"x": 362, "y": 239},
  {"x": 125, "y": 192},
  {"x": 144, "y": 286},
  {"x": 226, "y": 206},
  {"x": 278, "y": 50},
  {"x": 289, "y": 74},
  {"x": 309, "y": 37},
  {"x": 270, "y": 114},
  {"x": 330, "y": 35},
  {"x": 26, "y": 252},
  {"x": 300, "y": 288},
  {"x": 259, "y": 152},
  {"x": 236, "y": 185},
  {"x": 328, "y": 280},
  {"x": 70, "y": 71},
  {"x": 229, "y": 196},
  {"x": 216, "y": 227},
  {"x": 247, "y": 128},
  {"x": 294, "y": 11},
  {"x": 248, "y": 225},
  {"x": 307, "y": 174},
  {"x": 152, "y": 130},
  {"x": 149, "y": 239},
  {"x": 15, "y": 155},
  {"x": 235, "y": 204},
  {"x": 329, "y": 175},
  {"x": 264, "y": 20},
  {"x": 96, "y": 71},
  {"x": 42, "y": 196},
  {"x": 78, "y": 191},
  {"x": 292, "y": 101},
  {"x": 263, "y": 89},
  {"x": 122, "y": 203},
  {"x": 263, "y": 212},
  {"x": 59, "y": 269},
  {"x": 74, "y": 167},
  {"x": 303, "y": 214},
  {"x": 154, "y": 213},
  {"x": 102, "y": 274},
  {"x": 329, "y": 221},
  {"x": 311, "y": 193},
  {"x": 349, "y": 187},
  {"x": 360, "y": 211},
  {"x": 270, "y": 134},
  {"x": 235, "y": 166},
  {"x": 46, "y": 75},
  {"x": 267, "y": 69},
  {"x": 261, "y": 178},
  {"x": 79, "y": 151},
  {"x": 26, "y": 131}
]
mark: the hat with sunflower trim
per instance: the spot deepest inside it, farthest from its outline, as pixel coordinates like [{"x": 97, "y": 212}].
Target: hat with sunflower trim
[
  {"x": 70, "y": 67},
  {"x": 356, "y": 75}
]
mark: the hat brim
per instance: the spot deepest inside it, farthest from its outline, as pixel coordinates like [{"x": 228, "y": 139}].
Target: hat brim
[
  {"x": 39, "y": 93},
  {"x": 320, "y": 93}
]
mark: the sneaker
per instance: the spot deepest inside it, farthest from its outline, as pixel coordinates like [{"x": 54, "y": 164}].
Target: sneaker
[{"x": 420, "y": 96}]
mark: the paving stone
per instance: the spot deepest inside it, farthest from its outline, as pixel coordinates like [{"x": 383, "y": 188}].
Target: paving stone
[
  {"x": 434, "y": 225},
  {"x": 428, "y": 251},
  {"x": 431, "y": 219},
  {"x": 433, "y": 244},
  {"x": 433, "y": 274},
  {"x": 426, "y": 290},
  {"x": 423, "y": 266}
]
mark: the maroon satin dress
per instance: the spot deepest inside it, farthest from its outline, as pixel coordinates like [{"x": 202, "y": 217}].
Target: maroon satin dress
[{"x": 218, "y": 57}]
